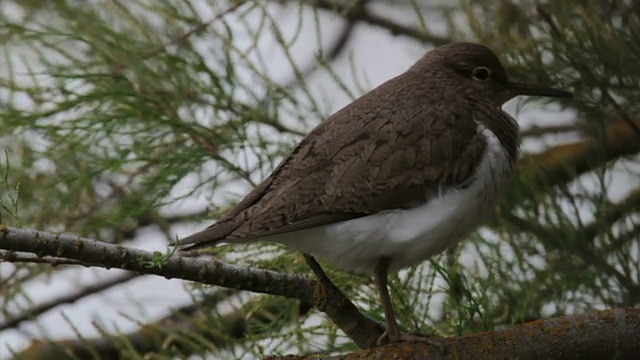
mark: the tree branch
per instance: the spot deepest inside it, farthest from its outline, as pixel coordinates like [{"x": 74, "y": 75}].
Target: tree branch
[
  {"x": 538, "y": 130},
  {"x": 363, "y": 330},
  {"x": 177, "y": 331},
  {"x": 605, "y": 334},
  {"x": 27, "y": 314},
  {"x": 564, "y": 163},
  {"x": 353, "y": 12}
]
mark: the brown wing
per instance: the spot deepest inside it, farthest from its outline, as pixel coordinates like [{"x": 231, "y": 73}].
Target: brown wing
[{"x": 381, "y": 152}]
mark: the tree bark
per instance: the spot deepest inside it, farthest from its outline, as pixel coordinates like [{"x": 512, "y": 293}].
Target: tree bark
[
  {"x": 605, "y": 334},
  {"x": 360, "y": 328}
]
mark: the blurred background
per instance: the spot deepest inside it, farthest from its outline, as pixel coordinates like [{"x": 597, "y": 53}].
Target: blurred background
[{"x": 136, "y": 122}]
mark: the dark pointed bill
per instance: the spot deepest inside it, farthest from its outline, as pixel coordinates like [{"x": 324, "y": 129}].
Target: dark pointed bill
[{"x": 521, "y": 88}]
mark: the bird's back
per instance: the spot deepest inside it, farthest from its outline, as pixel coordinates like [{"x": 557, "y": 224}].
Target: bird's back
[{"x": 393, "y": 148}]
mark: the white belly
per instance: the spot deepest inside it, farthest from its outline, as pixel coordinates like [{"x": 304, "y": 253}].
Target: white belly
[{"x": 409, "y": 237}]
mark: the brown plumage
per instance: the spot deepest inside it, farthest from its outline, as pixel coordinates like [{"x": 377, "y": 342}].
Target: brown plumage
[{"x": 419, "y": 137}]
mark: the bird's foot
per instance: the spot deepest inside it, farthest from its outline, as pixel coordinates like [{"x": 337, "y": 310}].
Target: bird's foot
[{"x": 393, "y": 337}]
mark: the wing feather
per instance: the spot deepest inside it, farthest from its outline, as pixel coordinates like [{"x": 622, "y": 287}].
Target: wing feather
[{"x": 338, "y": 172}]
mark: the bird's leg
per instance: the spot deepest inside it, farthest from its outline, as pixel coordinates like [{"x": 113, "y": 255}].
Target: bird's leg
[{"x": 392, "y": 333}]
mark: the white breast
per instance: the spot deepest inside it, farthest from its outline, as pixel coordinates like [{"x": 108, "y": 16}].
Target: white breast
[{"x": 410, "y": 236}]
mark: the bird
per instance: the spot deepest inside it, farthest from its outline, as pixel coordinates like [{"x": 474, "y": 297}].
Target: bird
[{"x": 394, "y": 178}]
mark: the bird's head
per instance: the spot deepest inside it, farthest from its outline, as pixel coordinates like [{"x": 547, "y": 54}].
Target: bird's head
[{"x": 475, "y": 71}]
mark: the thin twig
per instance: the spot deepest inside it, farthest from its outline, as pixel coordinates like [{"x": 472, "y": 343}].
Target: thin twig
[
  {"x": 331, "y": 54},
  {"x": 197, "y": 29},
  {"x": 587, "y": 71},
  {"x": 21, "y": 257}
]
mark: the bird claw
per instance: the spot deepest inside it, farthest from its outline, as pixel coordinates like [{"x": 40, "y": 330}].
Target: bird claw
[{"x": 410, "y": 337}]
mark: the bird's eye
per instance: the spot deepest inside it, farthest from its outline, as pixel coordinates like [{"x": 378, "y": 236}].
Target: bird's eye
[{"x": 481, "y": 73}]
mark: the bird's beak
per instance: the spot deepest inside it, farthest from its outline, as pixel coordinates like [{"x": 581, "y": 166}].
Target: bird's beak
[{"x": 520, "y": 88}]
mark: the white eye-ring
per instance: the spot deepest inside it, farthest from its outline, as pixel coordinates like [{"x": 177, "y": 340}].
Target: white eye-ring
[{"x": 481, "y": 73}]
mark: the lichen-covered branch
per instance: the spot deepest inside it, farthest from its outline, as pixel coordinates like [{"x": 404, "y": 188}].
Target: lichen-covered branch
[
  {"x": 361, "y": 329},
  {"x": 605, "y": 334}
]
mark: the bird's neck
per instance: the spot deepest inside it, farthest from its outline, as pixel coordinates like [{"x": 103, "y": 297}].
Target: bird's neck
[{"x": 503, "y": 126}]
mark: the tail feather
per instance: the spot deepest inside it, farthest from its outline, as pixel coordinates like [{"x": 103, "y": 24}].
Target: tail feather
[{"x": 208, "y": 237}]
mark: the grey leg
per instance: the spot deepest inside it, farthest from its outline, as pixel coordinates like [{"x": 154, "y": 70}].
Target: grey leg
[{"x": 392, "y": 333}]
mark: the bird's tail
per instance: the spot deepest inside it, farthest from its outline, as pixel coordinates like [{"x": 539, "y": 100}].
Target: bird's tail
[{"x": 208, "y": 237}]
